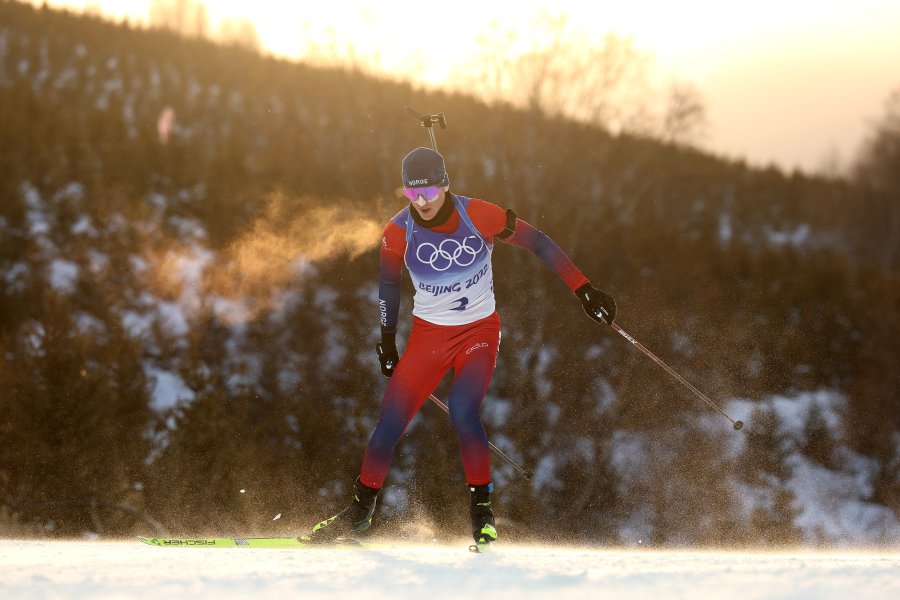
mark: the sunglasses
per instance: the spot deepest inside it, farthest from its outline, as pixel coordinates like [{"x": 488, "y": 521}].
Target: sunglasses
[{"x": 430, "y": 193}]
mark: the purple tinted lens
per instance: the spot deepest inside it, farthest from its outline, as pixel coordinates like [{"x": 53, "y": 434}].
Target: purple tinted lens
[{"x": 430, "y": 193}]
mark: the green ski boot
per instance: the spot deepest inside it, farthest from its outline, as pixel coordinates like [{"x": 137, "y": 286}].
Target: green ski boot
[
  {"x": 483, "y": 529},
  {"x": 357, "y": 517}
]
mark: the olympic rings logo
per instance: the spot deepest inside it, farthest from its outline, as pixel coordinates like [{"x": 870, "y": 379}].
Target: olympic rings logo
[{"x": 448, "y": 253}]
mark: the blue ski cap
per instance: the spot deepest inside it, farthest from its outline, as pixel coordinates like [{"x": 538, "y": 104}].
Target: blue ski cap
[{"x": 424, "y": 167}]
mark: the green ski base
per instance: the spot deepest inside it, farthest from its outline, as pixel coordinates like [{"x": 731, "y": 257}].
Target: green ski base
[{"x": 270, "y": 542}]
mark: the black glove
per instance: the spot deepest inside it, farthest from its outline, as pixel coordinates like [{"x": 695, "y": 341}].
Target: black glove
[
  {"x": 598, "y": 305},
  {"x": 387, "y": 353}
]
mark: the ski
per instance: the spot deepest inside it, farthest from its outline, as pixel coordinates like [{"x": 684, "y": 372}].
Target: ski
[
  {"x": 301, "y": 543},
  {"x": 258, "y": 542}
]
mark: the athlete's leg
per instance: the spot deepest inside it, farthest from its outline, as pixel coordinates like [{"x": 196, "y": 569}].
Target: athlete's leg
[
  {"x": 474, "y": 362},
  {"x": 420, "y": 369}
]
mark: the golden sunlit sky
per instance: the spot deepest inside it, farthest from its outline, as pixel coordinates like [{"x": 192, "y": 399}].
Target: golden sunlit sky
[{"x": 794, "y": 82}]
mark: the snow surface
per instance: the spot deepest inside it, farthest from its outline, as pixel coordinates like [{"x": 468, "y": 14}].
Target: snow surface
[{"x": 94, "y": 569}]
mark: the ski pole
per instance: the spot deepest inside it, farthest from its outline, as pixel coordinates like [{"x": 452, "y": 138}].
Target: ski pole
[
  {"x": 736, "y": 424},
  {"x": 525, "y": 474},
  {"x": 428, "y": 121}
]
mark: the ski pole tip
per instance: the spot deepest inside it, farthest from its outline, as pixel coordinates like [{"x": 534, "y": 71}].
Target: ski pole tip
[{"x": 738, "y": 425}]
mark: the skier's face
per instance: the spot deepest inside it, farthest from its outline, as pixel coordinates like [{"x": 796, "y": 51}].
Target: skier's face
[{"x": 428, "y": 210}]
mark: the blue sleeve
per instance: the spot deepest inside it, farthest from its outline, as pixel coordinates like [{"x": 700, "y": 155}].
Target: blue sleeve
[
  {"x": 389, "y": 290},
  {"x": 536, "y": 241}
]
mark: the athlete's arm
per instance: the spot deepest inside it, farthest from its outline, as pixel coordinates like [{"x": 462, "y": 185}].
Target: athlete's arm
[
  {"x": 536, "y": 241},
  {"x": 393, "y": 246},
  {"x": 494, "y": 222}
]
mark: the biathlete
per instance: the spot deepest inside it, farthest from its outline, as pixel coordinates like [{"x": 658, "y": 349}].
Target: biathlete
[{"x": 445, "y": 240}]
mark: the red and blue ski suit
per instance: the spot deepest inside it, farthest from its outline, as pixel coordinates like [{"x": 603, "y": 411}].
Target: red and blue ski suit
[{"x": 455, "y": 324}]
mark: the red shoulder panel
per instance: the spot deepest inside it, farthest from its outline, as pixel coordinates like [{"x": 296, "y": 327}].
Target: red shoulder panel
[{"x": 487, "y": 217}]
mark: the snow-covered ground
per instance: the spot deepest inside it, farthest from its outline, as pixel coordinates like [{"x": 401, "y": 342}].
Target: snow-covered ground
[{"x": 47, "y": 570}]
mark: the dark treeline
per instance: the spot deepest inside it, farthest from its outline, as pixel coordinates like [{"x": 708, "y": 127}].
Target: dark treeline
[{"x": 751, "y": 282}]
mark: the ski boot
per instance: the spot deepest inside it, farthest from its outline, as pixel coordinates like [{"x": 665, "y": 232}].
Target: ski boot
[
  {"x": 355, "y": 518},
  {"x": 483, "y": 529}
]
